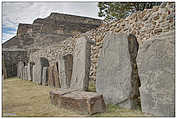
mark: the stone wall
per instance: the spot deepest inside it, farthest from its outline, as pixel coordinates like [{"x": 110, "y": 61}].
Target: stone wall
[
  {"x": 143, "y": 24},
  {"x": 52, "y": 52},
  {"x": 49, "y": 32}
]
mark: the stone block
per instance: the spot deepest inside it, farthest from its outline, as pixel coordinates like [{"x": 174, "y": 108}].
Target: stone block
[
  {"x": 116, "y": 75},
  {"x": 65, "y": 65},
  {"x": 20, "y": 69},
  {"x": 38, "y": 69},
  {"x": 56, "y": 76},
  {"x": 81, "y": 64},
  {"x": 156, "y": 65},
  {"x": 80, "y": 101},
  {"x": 25, "y": 76},
  {"x": 30, "y": 71},
  {"x": 45, "y": 76},
  {"x": 51, "y": 81}
]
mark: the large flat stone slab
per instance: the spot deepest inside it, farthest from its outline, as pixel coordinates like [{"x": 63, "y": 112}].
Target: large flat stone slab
[
  {"x": 114, "y": 72},
  {"x": 81, "y": 101},
  {"x": 45, "y": 76},
  {"x": 25, "y": 76},
  {"x": 156, "y": 65},
  {"x": 65, "y": 65},
  {"x": 30, "y": 71},
  {"x": 20, "y": 67},
  {"x": 51, "y": 81},
  {"x": 38, "y": 69},
  {"x": 56, "y": 76},
  {"x": 53, "y": 76},
  {"x": 81, "y": 64}
]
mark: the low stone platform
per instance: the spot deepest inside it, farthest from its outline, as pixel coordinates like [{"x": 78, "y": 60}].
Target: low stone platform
[{"x": 84, "y": 102}]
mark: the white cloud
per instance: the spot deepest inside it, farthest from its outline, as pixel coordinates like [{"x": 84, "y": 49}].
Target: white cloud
[
  {"x": 25, "y": 12},
  {"x": 7, "y": 36}
]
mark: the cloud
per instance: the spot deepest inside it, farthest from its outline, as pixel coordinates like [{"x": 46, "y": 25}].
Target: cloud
[{"x": 26, "y": 12}]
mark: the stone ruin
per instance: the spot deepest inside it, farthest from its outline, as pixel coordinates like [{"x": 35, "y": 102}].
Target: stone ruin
[
  {"x": 156, "y": 67},
  {"x": 127, "y": 62},
  {"x": 117, "y": 78}
]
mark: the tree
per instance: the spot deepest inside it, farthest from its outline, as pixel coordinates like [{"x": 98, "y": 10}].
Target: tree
[{"x": 118, "y": 10}]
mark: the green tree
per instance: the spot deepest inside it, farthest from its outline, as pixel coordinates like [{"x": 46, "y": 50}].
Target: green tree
[{"x": 118, "y": 10}]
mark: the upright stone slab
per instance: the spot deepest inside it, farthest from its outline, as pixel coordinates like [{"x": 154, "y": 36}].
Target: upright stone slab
[
  {"x": 4, "y": 72},
  {"x": 38, "y": 69},
  {"x": 156, "y": 65},
  {"x": 25, "y": 76},
  {"x": 81, "y": 64},
  {"x": 65, "y": 65},
  {"x": 45, "y": 76},
  {"x": 20, "y": 67},
  {"x": 30, "y": 71},
  {"x": 56, "y": 76},
  {"x": 51, "y": 81},
  {"x": 113, "y": 75}
]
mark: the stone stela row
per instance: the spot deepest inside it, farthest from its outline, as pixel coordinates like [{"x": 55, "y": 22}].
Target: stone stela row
[{"x": 128, "y": 70}]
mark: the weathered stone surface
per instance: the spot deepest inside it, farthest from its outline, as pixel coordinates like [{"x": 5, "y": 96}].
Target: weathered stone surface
[
  {"x": 38, "y": 69},
  {"x": 20, "y": 67},
  {"x": 25, "y": 76},
  {"x": 113, "y": 76},
  {"x": 156, "y": 65},
  {"x": 81, "y": 101},
  {"x": 81, "y": 64},
  {"x": 30, "y": 71},
  {"x": 51, "y": 81},
  {"x": 4, "y": 72},
  {"x": 56, "y": 76},
  {"x": 45, "y": 76},
  {"x": 65, "y": 65}
]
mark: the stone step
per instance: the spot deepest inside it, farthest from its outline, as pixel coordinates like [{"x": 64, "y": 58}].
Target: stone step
[{"x": 76, "y": 100}]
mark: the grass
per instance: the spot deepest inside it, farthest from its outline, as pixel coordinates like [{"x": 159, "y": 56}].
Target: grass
[{"x": 26, "y": 99}]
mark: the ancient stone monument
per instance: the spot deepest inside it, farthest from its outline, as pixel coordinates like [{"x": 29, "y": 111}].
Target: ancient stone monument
[
  {"x": 75, "y": 97},
  {"x": 65, "y": 65},
  {"x": 156, "y": 67},
  {"x": 114, "y": 72},
  {"x": 81, "y": 64},
  {"x": 45, "y": 76},
  {"x": 51, "y": 81},
  {"x": 20, "y": 67},
  {"x": 84, "y": 102},
  {"x": 38, "y": 69},
  {"x": 41, "y": 33},
  {"x": 30, "y": 71}
]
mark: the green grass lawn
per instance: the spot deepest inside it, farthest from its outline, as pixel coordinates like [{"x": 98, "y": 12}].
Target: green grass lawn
[{"x": 25, "y": 98}]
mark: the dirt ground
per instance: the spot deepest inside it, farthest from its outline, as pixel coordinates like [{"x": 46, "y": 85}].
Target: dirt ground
[{"x": 26, "y": 99}]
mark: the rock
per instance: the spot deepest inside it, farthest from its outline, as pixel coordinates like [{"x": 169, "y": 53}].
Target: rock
[
  {"x": 56, "y": 76},
  {"x": 30, "y": 71},
  {"x": 81, "y": 101},
  {"x": 20, "y": 69},
  {"x": 156, "y": 65},
  {"x": 157, "y": 31},
  {"x": 81, "y": 64},
  {"x": 163, "y": 4},
  {"x": 45, "y": 76},
  {"x": 25, "y": 76},
  {"x": 4, "y": 71},
  {"x": 38, "y": 68},
  {"x": 114, "y": 75},
  {"x": 65, "y": 65},
  {"x": 51, "y": 81}
]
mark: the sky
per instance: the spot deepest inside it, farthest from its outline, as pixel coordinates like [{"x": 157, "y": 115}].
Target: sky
[{"x": 14, "y": 13}]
